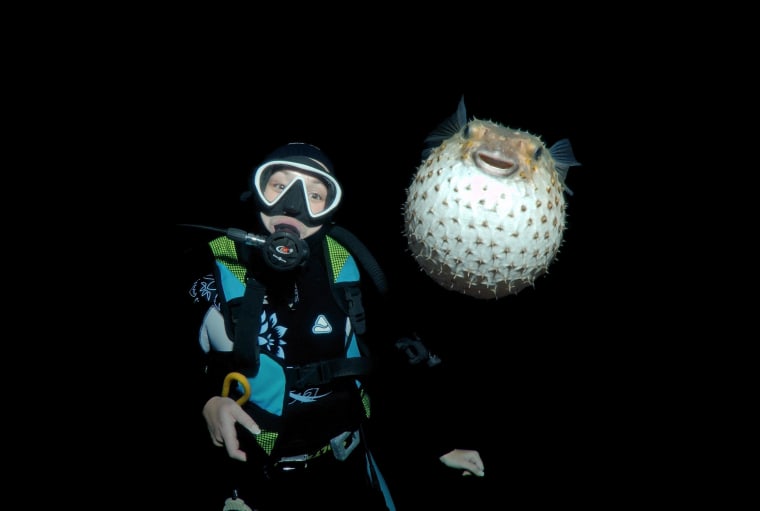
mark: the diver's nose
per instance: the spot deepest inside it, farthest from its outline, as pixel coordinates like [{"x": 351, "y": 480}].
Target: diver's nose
[{"x": 288, "y": 211}]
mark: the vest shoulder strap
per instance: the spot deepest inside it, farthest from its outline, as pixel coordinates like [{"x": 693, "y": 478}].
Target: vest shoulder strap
[{"x": 344, "y": 279}]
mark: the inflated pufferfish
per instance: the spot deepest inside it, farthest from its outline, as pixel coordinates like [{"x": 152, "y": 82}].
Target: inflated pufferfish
[{"x": 485, "y": 213}]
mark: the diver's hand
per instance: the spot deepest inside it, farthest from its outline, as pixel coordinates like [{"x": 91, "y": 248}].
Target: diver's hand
[
  {"x": 464, "y": 459},
  {"x": 221, "y": 414}
]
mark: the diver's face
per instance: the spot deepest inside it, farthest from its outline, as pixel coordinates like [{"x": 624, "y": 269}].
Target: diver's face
[{"x": 315, "y": 193}]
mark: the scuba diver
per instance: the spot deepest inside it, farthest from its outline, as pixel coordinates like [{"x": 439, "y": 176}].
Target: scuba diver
[{"x": 285, "y": 360}]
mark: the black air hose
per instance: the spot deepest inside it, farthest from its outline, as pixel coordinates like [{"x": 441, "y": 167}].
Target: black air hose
[{"x": 362, "y": 253}]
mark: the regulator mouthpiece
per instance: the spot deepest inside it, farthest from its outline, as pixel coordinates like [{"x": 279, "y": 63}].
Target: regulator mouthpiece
[{"x": 284, "y": 249}]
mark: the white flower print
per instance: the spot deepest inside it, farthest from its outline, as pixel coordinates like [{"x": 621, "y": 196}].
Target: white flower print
[
  {"x": 205, "y": 287},
  {"x": 271, "y": 334}
]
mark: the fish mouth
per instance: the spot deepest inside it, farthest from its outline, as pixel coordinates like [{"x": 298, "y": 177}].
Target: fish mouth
[{"x": 496, "y": 163}]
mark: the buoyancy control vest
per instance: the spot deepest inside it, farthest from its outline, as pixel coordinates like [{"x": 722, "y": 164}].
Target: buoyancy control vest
[{"x": 265, "y": 381}]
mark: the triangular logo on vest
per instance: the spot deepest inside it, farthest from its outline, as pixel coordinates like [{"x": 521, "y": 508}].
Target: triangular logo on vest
[{"x": 321, "y": 325}]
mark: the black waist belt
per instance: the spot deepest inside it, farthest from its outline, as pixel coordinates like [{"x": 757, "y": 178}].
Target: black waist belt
[
  {"x": 326, "y": 371},
  {"x": 341, "y": 446}
]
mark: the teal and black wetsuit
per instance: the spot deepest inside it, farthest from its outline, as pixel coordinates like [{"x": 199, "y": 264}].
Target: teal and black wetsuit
[{"x": 307, "y": 389}]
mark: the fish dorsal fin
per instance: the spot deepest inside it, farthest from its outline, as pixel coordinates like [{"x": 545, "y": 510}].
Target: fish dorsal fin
[
  {"x": 564, "y": 158},
  {"x": 445, "y": 129}
]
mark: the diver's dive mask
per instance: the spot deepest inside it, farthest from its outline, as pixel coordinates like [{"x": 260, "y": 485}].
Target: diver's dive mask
[{"x": 293, "y": 200}]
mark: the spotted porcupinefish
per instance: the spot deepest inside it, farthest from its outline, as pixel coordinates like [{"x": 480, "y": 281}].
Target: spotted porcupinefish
[{"x": 485, "y": 212}]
